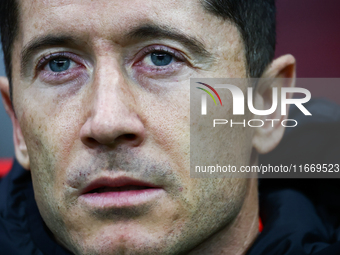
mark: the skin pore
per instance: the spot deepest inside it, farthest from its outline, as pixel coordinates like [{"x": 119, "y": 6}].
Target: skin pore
[{"x": 113, "y": 113}]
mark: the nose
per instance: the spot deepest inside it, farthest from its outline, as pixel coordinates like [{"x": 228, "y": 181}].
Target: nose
[{"x": 113, "y": 118}]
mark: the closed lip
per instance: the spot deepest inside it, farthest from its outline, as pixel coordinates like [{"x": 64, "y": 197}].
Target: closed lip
[{"x": 119, "y": 192}]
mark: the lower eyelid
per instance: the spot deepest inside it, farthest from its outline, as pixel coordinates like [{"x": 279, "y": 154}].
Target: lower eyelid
[
  {"x": 58, "y": 78},
  {"x": 152, "y": 70}
]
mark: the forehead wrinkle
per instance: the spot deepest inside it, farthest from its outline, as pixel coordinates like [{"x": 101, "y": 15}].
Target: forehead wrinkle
[{"x": 138, "y": 16}]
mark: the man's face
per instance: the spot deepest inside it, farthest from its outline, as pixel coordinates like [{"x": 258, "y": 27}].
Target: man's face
[{"x": 102, "y": 100}]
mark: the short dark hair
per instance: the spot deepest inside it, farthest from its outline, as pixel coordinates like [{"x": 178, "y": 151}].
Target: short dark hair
[
  {"x": 9, "y": 21},
  {"x": 255, "y": 19}
]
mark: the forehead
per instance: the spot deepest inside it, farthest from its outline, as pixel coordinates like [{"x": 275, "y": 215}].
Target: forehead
[
  {"x": 101, "y": 16},
  {"x": 109, "y": 19}
]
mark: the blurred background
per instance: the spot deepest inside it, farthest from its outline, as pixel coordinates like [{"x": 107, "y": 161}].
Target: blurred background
[
  {"x": 6, "y": 141},
  {"x": 309, "y": 30}
]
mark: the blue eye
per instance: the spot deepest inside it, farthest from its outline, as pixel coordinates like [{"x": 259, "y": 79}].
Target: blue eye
[
  {"x": 161, "y": 59},
  {"x": 59, "y": 64}
]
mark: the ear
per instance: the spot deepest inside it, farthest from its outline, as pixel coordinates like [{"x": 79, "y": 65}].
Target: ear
[
  {"x": 19, "y": 142},
  {"x": 281, "y": 73}
]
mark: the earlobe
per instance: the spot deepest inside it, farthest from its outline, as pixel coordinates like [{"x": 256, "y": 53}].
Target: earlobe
[
  {"x": 20, "y": 147},
  {"x": 281, "y": 73}
]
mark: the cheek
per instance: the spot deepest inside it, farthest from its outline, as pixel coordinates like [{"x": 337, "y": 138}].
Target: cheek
[
  {"x": 226, "y": 145},
  {"x": 50, "y": 127},
  {"x": 168, "y": 126},
  {"x": 50, "y": 134}
]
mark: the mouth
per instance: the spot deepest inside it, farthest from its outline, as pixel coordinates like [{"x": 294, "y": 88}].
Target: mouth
[
  {"x": 118, "y": 189},
  {"x": 119, "y": 192}
]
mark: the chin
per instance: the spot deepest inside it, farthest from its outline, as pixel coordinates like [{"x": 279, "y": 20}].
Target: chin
[{"x": 116, "y": 241}]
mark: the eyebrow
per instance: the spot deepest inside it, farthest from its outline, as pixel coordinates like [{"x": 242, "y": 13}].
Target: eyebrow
[
  {"x": 142, "y": 32},
  {"x": 152, "y": 31},
  {"x": 45, "y": 41}
]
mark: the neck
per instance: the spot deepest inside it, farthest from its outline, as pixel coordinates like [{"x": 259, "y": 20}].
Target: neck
[{"x": 237, "y": 237}]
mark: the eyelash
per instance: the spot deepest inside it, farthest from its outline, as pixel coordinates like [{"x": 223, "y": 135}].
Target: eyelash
[
  {"x": 45, "y": 59},
  {"x": 141, "y": 56},
  {"x": 162, "y": 49}
]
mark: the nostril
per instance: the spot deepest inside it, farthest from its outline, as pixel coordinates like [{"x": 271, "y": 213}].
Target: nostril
[
  {"x": 111, "y": 133},
  {"x": 130, "y": 137},
  {"x": 91, "y": 141}
]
